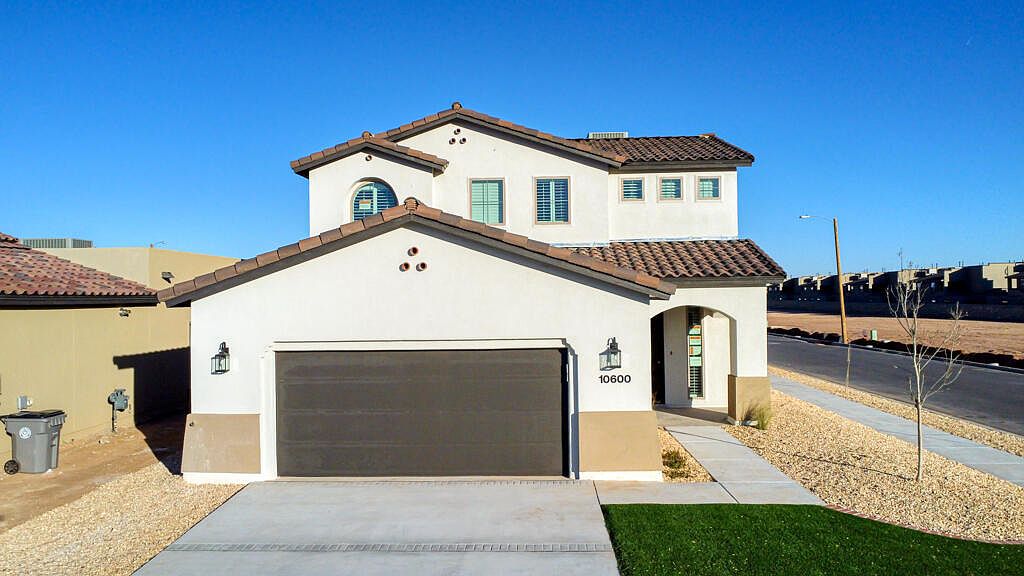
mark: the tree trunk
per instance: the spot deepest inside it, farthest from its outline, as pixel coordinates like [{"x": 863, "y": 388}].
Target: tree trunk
[{"x": 920, "y": 444}]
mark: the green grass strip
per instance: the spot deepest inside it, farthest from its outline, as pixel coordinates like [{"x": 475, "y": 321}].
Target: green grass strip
[{"x": 719, "y": 539}]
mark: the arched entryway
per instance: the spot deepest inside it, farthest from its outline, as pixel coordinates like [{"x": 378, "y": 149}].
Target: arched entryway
[{"x": 692, "y": 351}]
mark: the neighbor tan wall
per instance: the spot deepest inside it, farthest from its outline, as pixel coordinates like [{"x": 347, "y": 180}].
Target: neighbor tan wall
[
  {"x": 144, "y": 265},
  {"x": 619, "y": 441},
  {"x": 69, "y": 360},
  {"x": 72, "y": 359}
]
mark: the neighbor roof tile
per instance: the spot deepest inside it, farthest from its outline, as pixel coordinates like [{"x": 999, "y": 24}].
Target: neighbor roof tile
[{"x": 28, "y": 272}]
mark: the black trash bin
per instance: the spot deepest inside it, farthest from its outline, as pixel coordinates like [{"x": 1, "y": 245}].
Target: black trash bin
[{"x": 35, "y": 440}]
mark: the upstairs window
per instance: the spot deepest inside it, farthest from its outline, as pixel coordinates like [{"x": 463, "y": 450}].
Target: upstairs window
[
  {"x": 487, "y": 201},
  {"x": 552, "y": 195},
  {"x": 632, "y": 189},
  {"x": 371, "y": 198},
  {"x": 709, "y": 188},
  {"x": 671, "y": 189}
]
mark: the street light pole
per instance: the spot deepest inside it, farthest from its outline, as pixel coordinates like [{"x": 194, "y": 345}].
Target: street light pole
[{"x": 839, "y": 279}]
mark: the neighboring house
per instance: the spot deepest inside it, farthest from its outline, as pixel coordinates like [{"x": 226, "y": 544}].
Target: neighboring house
[
  {"x": 76, "y": 328},
  {"x": 459, "y": 306}
]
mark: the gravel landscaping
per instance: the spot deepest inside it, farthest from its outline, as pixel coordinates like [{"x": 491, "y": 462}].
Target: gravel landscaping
[
  {"x": 112, "y": 530},
  {"x": 681, "y": 468},
  {"x": 857, "y": 468},
  {"x": 1004, "y": 441}
]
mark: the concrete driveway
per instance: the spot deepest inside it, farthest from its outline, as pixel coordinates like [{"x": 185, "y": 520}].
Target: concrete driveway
[{"x": 398, "y": 527}]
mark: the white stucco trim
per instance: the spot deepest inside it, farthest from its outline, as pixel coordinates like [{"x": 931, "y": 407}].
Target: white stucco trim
[
  {"x": 268, "y": 388},
  {"x": 483, "y": 344},
  {"x": 625, "y": 475},
  {"x": 222, "y": 478}
]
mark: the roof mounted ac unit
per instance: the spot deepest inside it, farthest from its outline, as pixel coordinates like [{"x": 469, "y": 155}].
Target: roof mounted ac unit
[{"x": 602, "y": 135}]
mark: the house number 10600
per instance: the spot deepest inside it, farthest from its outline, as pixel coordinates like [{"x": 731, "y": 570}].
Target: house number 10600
[{"x": 615, "y": 378}]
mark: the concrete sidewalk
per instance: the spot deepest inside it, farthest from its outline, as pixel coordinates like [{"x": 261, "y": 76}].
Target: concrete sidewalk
[
  {"x": 741, "y": 476},
  {"x": 1009, "y": 467}
]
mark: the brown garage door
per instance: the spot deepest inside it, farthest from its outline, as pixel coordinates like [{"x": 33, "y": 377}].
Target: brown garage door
[{"x": 421, "y": 413}]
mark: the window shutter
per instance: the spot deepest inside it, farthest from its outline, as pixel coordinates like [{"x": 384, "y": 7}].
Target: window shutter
[
  {"x": 633, "y": 189},
  {"x": 552, "y": 200},
  {"x": 487, "y": 201},
  {"x": 372, "y": 198},
  {"x": 707, "y": 188},
  {"x": 671, "y": 189}
]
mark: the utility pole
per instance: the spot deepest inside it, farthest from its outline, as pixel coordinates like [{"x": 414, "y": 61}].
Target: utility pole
[{"x": 839, "y": 283}]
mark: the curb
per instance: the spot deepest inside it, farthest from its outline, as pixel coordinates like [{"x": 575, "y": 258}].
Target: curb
[
  {"x": 1010, "y": 369},
  {"x": 867, "y": 516}
]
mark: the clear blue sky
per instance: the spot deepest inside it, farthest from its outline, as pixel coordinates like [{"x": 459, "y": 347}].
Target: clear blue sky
[{"x": 135, "y": 123}]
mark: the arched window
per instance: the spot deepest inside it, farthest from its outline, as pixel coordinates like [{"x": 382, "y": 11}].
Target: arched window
[{"x": 372, "y": 197}]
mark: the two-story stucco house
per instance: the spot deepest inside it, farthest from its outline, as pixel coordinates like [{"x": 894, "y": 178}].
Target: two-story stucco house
[{"x": 477, "y": 298}]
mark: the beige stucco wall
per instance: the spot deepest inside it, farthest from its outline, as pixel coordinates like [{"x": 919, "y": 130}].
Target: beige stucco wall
[
  {"x": 72, "y": 359},
  {"x": 144, "y": 265}
]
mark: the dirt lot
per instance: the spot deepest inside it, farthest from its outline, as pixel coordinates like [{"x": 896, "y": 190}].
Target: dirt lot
[
  {"x": 114, "y": 529},
  {"x": 855, "y": 467},
  {"x": 84, "y": 465},
  {"x": 995, "y": 337}
]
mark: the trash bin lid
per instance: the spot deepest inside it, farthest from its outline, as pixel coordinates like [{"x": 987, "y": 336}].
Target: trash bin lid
[{"x": 34, "y": 414}]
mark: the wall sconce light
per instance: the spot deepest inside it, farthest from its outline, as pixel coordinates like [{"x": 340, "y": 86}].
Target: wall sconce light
[
  {"x": 611, "y": 358},
  {"x": 124, "y": 312},
  {"x": 221, "y": 361},
  {"x": 167, "y": 276}
]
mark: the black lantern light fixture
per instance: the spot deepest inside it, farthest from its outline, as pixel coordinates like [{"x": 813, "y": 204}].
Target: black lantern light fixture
[
  {"x": 611, "y": 358},
  {"x": 221, "y": 361}
]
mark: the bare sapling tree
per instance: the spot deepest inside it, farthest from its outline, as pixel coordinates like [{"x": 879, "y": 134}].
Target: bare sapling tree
[{"x": 906, "y": 299}]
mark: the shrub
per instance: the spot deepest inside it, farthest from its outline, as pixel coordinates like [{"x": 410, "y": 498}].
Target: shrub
[
  {"x": 762, "y": 414},
  {"x": 674, "y": 463}
]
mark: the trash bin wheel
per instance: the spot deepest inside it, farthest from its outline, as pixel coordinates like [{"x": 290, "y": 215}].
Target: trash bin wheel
[{"x": 12, "y": 467}]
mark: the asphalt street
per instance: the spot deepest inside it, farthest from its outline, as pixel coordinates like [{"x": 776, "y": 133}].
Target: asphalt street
[{"x": 993, "y": 398}]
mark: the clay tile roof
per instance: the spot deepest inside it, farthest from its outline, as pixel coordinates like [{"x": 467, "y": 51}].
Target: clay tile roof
[
  {"x": 689, "y": 258},
  {"x": 27, "y": 273},
  {"x": 306, "y": 163},
  {"x": 413, "y": 208},
  {"x": 706, "y": 147}
]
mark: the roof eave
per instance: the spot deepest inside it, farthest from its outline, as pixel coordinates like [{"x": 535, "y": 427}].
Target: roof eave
[
  {"x": 74, "y": 301},
  {"x": 184, "y": 298},
  {"x": 682, "y": 166},
  {"x": 503, "y": 129},
  {"x": 304, "y": 168},
  {"x": 724, "y": 281}
]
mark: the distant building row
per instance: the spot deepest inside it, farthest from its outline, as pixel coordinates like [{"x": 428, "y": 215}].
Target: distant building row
[{"x": 994, "y": 283}]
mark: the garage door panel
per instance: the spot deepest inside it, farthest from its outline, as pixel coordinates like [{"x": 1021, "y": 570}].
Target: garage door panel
[
  {"x": 309, "y": 426},
  {"x": 455, "y": 460},
  {"x": 385, "y": 413}
]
